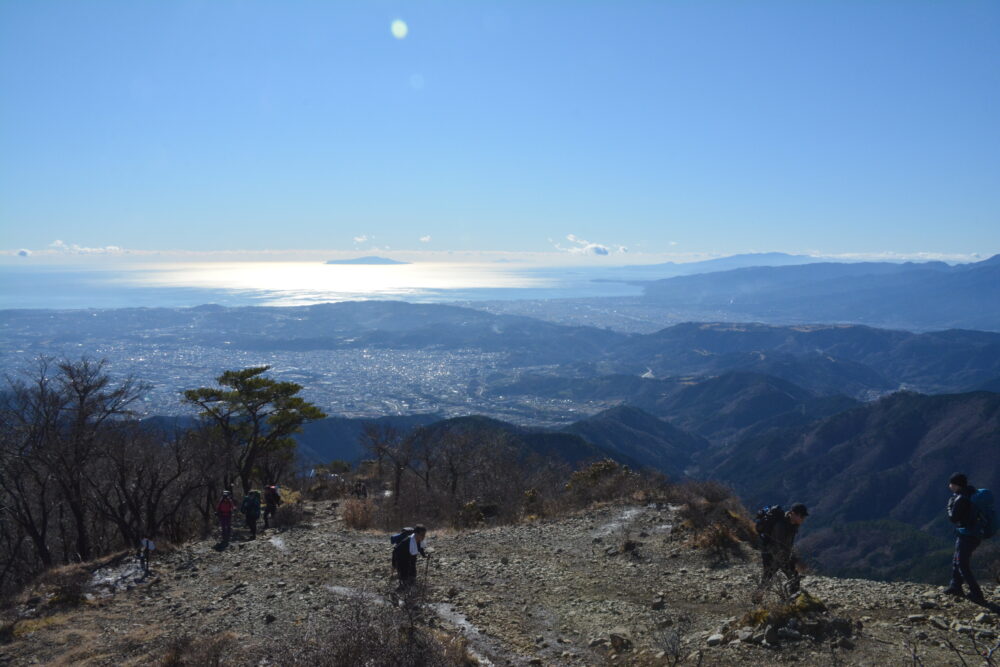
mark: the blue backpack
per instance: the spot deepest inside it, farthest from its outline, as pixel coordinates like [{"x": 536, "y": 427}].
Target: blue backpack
[
  {"x": 400, "y": 536},
  {"x": 986, "y": 515}
]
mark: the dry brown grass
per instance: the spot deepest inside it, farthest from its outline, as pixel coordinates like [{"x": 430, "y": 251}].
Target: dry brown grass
[
  {"x": 288, "y": 515},
  {"x": 189, "y": 651},
  {"x": 358, "y": 514},
  {"x": 66, "y": 583}
]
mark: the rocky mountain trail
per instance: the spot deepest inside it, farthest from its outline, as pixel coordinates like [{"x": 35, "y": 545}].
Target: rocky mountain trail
[{"x": 611, "y": 585}]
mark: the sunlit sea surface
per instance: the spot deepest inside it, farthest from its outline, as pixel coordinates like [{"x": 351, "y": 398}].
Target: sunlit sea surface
[{"x": 290, "y": 284}]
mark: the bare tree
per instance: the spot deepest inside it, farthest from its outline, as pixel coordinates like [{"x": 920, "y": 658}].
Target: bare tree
[{"x": 386, "y": 443}]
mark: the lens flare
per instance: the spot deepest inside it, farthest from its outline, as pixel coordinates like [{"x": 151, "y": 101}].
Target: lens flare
[{"x": 399, "y": 29}]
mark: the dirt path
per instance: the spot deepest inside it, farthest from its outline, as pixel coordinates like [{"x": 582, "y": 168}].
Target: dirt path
[{"x": 550, "y": 592}]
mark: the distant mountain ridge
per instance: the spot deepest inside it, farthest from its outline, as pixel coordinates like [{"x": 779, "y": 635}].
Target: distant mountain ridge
[{"x": 924, "y": 296}]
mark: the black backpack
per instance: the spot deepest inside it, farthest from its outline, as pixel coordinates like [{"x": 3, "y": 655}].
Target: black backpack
[
  {"x": 767, "y": 516},
  {"x": 400, "y": 552}
]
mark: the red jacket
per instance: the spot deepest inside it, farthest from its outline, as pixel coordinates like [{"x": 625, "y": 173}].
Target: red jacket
[{"x": 226, "y": 506}]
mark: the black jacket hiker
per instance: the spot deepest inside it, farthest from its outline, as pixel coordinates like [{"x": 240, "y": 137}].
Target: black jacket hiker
[
  {"x": 776, "y": 549},
  {"x": 404, "y": 559},
  {"x": 962, "y": 513}
]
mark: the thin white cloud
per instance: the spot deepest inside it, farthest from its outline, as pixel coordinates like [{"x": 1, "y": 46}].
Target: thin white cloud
[
  {"x": 361, "y": 239},
  {"x": 584, "y": 247},
  {"x": 62, "y": 247},
  {"x": 425, "y": 239}
]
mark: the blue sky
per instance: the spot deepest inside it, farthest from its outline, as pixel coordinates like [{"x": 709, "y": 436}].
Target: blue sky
[{"x": 661, "y": 128}]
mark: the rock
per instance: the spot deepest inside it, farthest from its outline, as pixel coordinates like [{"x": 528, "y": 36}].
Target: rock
[
  {"x": 716, "y": 639},
  {"x": 270, "y": 618},
  {"x": 916, "y": 618},
  {"x": 771, "y": 634},
  {"x": 844, "y": 643},
  {"x": 789, "y": 634},
  {"x": 938, "y": 623},
  {"x": 745, "y": 634},
  {"x": 598, "y": 641},
  {"x": 621, "y": 640},
  {"x": 982, "y": 618},
  {"x": 928, "y": 604}
]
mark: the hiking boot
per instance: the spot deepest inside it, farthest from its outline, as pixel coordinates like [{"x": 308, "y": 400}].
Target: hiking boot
[
  {"x": 976, "y": 598},
  {"x": 952, "y": 590}
]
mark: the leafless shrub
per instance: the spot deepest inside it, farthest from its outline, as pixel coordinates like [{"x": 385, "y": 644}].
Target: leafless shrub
[
  {"x": 470, "y": 515},
  {"x": 357, "y": 514},
  {"x": 67, "y": 583},
  {"x": 670, "y": 639},
  {"x": 288, "y": 515},
  {"x": 714, "y": 518},
  {"x": 719, "y": 542},
  {"x": 600, "y": 481},
  {"x": 365, "y": 632},
  {"x": 192, "y": 651}
]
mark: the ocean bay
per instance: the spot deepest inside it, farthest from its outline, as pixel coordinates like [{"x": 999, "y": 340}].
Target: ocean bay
[{"x": 185, "y": 284}]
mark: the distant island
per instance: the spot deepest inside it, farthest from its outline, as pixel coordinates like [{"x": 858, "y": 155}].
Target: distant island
[{"x": 383, "y": 261}]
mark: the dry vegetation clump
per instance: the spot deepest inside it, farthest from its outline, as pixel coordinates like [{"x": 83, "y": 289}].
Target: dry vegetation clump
[
  {"x": 358, "y": 514},
  {"x": 803, "y": 616},
  {"x": 325, "y": 489},
  {"x": 66, "y": 583},
  {"x": 191, "y": 651},
  {"x": 600, "y": 481},
  {"x": 289, "y": 514},
  {"x": 714, "y": 518},
  {"x": 470, "y": 515},
  {"x": 365, "y": 633}
]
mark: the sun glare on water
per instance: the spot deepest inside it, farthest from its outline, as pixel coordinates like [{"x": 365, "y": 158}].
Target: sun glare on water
[{"x": 306, "y": 283}]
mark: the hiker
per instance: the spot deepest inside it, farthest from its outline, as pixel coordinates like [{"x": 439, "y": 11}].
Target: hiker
[
  {"x": 251, "y": 511},
  {"x": 962, "y": 512},
  {"x": 224, "y": 510},
  {"x": 404, "y": 556},
  {"x": 777, "y": 530},
  {"x": 360, "y": 489},
  {"x": 272, "y": 499}
]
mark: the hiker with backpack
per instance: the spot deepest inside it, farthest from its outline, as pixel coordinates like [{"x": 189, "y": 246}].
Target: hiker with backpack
[
  {"x": 971, "y": 510},
  {"x": 777, "y": 530},
  {"x": 405, "y": 552},
  {"x": 272, "y": 499},
  {"x": 251, "y": 511},
  {"x": 224, "y": 510}
]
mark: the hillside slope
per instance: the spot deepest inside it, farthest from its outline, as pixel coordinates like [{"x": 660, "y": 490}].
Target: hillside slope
[{"x": 558, "y": 592}]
